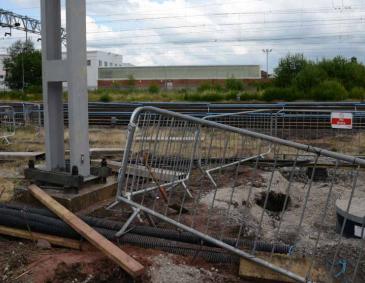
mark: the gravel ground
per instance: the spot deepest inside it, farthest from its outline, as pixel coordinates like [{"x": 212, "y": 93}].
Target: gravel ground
[{"x": 243, "y": 208}]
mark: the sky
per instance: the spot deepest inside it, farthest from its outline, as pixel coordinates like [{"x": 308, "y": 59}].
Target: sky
[{"x": 201, "y": 32}]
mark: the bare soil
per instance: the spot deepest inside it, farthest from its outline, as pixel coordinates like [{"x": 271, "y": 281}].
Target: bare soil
[{"x": 24, "y": 262}]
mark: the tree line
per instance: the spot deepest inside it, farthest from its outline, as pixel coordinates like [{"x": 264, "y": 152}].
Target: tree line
[{"x": 297, "y": 78}]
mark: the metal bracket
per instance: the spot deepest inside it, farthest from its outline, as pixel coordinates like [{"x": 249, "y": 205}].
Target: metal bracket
[{"x": 122, "y": 231}]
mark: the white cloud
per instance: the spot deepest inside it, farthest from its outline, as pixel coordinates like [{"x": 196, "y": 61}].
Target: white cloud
[{"x": 161, "y": 32}]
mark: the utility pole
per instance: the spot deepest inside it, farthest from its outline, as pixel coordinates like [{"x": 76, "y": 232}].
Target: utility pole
[
  {"x": 23, "y": 76},
  {"x": 267, "y": 52}
]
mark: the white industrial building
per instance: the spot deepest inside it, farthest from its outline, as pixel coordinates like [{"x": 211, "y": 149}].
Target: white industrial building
[{"x": 98, "y": 59}]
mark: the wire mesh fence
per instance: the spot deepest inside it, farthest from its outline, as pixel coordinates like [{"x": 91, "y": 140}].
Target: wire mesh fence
[
  {"x": 31, "y": 116},
  {"x": 258, "y": 197},
  {"x": 313, "y": 127},
  {"x": 7, "y": 123}
]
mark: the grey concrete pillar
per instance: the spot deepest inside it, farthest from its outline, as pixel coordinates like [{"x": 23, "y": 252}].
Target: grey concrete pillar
[
  {"x": 77, "y": 85},
  {"x": 52, "y": 89},
  {"x": 72, "y": 70}
]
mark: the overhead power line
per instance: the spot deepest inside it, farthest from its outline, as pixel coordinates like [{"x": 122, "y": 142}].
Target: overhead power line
[{"x": 12, "y": 20}]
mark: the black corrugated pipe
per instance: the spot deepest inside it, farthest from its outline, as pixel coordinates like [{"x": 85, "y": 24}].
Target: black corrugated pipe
[
  {"x": 209, "y": 254},
  {"x": 169, "y": 234}
]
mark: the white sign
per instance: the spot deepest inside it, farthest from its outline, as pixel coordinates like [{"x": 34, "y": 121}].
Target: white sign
[
  {"x": 359, "y": 232},
  {"x": 340, "y": 120}
]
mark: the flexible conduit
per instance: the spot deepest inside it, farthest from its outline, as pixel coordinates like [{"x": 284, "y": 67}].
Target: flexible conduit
[
  {"x": 46, "y": 217},
  {"x": 213, "y": 255}
]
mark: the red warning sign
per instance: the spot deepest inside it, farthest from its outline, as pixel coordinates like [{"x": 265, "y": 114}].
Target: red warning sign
[{"x": 340, "y": 120}]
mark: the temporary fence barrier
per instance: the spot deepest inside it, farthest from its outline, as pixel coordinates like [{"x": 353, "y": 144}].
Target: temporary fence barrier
[
  {"x": 259, "y": 196},
  {"x": 337, "y": 130},
  {"x": 7, "y": 123},
  {"x": 32, "y": 115},
  {"x": 340, "y": 131}
]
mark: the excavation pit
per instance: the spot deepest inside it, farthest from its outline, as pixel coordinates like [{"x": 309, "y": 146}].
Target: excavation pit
[{"x": 275, "y": 201}]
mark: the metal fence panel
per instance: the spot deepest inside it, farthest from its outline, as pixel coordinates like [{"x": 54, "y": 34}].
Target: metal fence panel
[
  {"x": 258, "y": 198},
  {"x": 7, "y": 123},
  {"x": 32, "y": 115},
  {"x": 311, "y": 127}
]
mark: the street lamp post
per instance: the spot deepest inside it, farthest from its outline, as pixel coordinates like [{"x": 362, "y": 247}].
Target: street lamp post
[{"x": 267, "y": 52}]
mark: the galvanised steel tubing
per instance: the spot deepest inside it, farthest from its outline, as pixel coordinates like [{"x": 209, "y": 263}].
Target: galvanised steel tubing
[
  {"x": 215, "y": 241},
  {"x": 307, "y": 148},
  {"x": 239, "y": 161},
  {"x": 121, "y": 177},
  {"x": 174, "y": 183},
  {"x": 209, "y": 171},
  {"x": 277, "y": 141}
]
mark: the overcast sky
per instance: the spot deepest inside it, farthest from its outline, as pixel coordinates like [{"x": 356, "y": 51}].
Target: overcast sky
[{"x": 190, "y": 32}]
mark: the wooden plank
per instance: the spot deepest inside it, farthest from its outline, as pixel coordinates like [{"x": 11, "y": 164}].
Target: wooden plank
[
  {"x": 54, "y": 240},
  {"x": 129, "y": 264},
  {"x": 300, "y": 265},
  {"x": 19, "y": 155}
]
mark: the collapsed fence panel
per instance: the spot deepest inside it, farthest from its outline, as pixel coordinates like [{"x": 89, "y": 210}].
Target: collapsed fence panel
[
  {"x": 249, "y": 199},
  {"x": 244, "y": 197},
  {"x": 7, "y": 123}
]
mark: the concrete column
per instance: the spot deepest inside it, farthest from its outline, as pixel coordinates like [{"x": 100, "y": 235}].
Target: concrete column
[
  {"x": 52, "y": 90},
  {"x": 77, "y": 85}
]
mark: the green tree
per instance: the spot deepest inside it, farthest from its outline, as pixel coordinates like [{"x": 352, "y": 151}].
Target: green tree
[
  {"x": 23, "y": 61},
  {"x": 309, "y": 77},
  {"x": 330, "y": 90},
  {"x": 347, "y": 71},
  {"x": 289, "y": 67}
]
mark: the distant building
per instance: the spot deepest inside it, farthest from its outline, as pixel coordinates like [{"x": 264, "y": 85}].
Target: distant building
[
  {"x": 99, "y": 59},
  {"x": 2, "y": 72},
  {"x": 95, "y": 60},
  {"x": 177, "y": 77}
]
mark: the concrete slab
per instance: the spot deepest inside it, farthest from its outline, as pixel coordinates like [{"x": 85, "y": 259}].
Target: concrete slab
[
  {"x": 7, "y": 155},
  {"x": 357, "y": 209},
  {"x": 88, "y": 196},
  {"x": 38, "y": 155}
]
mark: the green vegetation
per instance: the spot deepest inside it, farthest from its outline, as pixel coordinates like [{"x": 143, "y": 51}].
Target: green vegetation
[
  {"x": 105, "y": 98},
  {"x": 327, "y": 80},
  {"x": 23, "y": 67},
  {"x": 153, "y": 89},
  {"x": 296, "y": 78}
]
